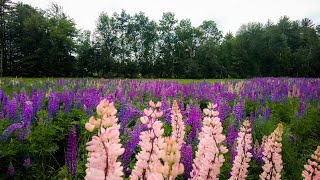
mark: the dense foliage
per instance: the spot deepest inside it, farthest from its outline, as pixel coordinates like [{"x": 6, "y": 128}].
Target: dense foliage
[
  {"x": 45, "y": 43},
  {"x": 43, "y": 136}
]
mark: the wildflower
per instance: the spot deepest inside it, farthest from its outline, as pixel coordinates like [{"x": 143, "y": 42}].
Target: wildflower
[
  {"x": 71, "y": 156},
  {"x": 171, "y": 157},
  {"x": 241, "y": 162},
  {"x": 272, "y": 157},
  {"x": 10, "y": 171},
  {"x": 312, "y": 168},
  {"x": 26, "y": 162},
  {"x": 105, "y": 148},
  {"x": 178, "y": 128},
  {"x": 209, "y": 157},
  {"x": 186, "y": 160},
  {"x": 10, "y": 129},
  {"x": 151, "y": 143}
]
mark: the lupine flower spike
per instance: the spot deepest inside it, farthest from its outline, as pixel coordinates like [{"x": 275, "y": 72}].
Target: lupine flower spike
[
  {"x": 271, "y": 155},
  {"x": 105, "y": 148},
  {"x": 312, "y": 169},
  {"x": 171, "y": 158},
  {"x": 151, "y": 143},
  {"x": 241, "y": 161},
  {"x": 209, "y": 157},
  {"x": 178, "y": 127}
]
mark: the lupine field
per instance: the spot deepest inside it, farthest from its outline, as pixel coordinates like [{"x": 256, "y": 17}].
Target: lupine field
[{"x": 263, "y": 128}]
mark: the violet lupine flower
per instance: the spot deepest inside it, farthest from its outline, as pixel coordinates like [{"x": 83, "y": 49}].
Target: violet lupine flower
[
  {"x": 151, "y": 143},
  {"x": 209, "y": 156},
  {"x": 66, "y": 98},
  {"x": 312, "y": 168},
  {"x": 22, "y": 99},
  {"x": 272, "y": 157},
  {"x": 71, "y": 155},
  {"x": 231, "y": 136},
  {"x": 257, "y": 152},
  {"x": 26, "y": 163},
  {"x": 238, "y": 110},
  {"x": 10, "y": 171},
  {"x": 10, "y": 129},
  {"x": 241, "y": 161},
  {"x": 12, "y": 108},
  {"x": 266, "y": 113},
  {"x": 193, "y": 120},
  {"x": 128, "y": 114},
  {"x": 27, "y": 112},
  {"x": 53, "y": 104},
  {"x": 230, "y": 141},
  {"x": 275, "y": 96},
  {"x": 222, "y": 112},
  {"x": 129, "y": 148},
  {"x": 292, "y": 139},
  {"x": 301, "y": 109},
  {"x": 186, "y": 160}
]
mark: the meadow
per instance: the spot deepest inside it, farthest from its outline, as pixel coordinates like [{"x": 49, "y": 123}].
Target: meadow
[{"x": 43, "y": 131}]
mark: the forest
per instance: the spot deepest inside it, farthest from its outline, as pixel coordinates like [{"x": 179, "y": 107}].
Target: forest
[{"x": 46, "y": 43}]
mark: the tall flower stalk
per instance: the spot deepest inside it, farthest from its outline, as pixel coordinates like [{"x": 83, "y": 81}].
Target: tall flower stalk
[
  {"x": 71, "y": 155},
  {"x": 151, "y": 144},
  {"x": 105, "y": 148},
  {"x": 241, "y": 161},
  {"x": 209, "y": 156},
  {"x": 178, "y": 127},
  {"x": 271, "y": 155},
  {"x": 171, "y": 158},
  {"x": 312, "y": 169}
]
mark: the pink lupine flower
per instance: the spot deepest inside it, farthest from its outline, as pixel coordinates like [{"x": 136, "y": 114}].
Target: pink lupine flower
[
  {"x": 312, "y": 168},
  {"x": 171, "y": 158},
  {"x": 271, "y": 155},
  {"x": 241, "y": 161},
  {"x": 209, "y": 157},
  {"x": 178, "y": 127},
  {"x": 151, "y": 144},
  {"x": 104, "y": 149}
]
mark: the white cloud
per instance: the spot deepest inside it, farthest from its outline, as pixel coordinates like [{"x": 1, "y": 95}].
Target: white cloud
[{"x": 228, "y": 14}]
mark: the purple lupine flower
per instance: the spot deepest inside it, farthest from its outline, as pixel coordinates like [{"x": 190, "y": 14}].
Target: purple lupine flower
[
  {"x": 10, "y": 171},
  {"x": 301, "y": 108},
  {"x": 71, "y": 155},
  {"x": 292, "y": 139},
  {"x": 222, "y": 112},
  {"x": 53, "y": 104},
  {"x": 22, "y": 99},
  {"x": 275, "y": 96},
  {"x": 122, "y": 108},
  {"x": 251, "y": 118},
  {"x": 66, "y": 98},
  {"x": 26, "y": 162},
  {"x": 128, "y": 114},
  {"x": 129, "y": 148},
  {"x": 193, "y": 120},
  {"x": 230, "y": 140},
  {"x": 266, "y": 113},
  {"x": 10, "y": 129},
  {"x": 238, "y": 110},
  {"x": 27, "y": 112},
  {"x": 258, "y": 153},
  {"x": 12, "y": 108},
  {"x": 186, "y": 160}
]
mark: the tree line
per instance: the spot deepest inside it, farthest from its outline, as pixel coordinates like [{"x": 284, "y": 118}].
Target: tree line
[{"x": 46, "y": 43}]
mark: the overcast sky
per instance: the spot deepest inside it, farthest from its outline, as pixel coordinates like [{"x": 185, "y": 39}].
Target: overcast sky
[{"x": 228, "y": 14}]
